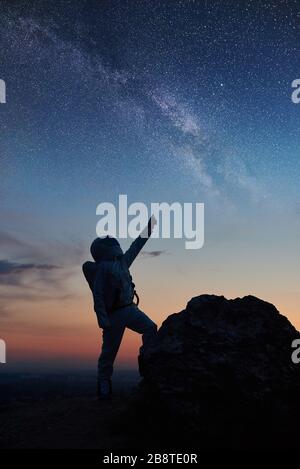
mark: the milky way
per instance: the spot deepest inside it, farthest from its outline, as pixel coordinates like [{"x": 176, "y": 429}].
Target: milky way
[{"x": 199, "y": 90}]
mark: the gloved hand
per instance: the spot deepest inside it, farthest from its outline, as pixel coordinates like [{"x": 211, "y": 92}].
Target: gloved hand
[
  {"x": 151, "y": 224},
  {"x": 146, "y": 233}
]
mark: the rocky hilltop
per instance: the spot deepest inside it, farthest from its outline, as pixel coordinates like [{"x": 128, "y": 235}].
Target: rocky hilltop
[{"x": 220, "y": 373}]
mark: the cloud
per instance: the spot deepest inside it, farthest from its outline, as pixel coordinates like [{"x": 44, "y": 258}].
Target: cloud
[
  {"x": 31, "y": 282},
  {"x": 152, "y": 253},
  {"x": 43, "y": 252},
  {"x": 12, "y": 273},
  {"x": 37, "y": 273},
  {"x": 36, "y": 296},
  {"x": 8, "y": 240},
  {"x": 14, "y": 247},
  {"x": 34, "y": 273}
]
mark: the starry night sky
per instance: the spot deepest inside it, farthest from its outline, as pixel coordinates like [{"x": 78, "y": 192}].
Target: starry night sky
[{"x": 164, "y": 101}]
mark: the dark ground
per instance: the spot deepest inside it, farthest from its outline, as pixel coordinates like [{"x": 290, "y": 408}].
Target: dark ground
[{"x": 59, "y": 411}]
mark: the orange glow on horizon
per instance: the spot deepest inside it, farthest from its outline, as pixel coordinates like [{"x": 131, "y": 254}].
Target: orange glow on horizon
[{"x": 67, "y": 330}]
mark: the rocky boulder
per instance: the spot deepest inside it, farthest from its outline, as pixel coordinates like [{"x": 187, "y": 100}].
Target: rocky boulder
[{"x": 220, "y": 372}]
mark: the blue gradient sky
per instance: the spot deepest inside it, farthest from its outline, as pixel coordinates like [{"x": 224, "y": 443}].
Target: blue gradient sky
[{"x": 162, "y": 101}]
